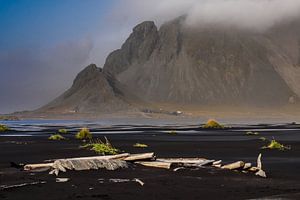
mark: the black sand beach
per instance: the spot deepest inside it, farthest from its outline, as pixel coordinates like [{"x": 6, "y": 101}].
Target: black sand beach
[{"x": 282, "y": 167}]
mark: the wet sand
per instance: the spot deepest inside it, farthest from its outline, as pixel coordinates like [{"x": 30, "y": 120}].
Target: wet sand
[{"x": 282, "y": 168}]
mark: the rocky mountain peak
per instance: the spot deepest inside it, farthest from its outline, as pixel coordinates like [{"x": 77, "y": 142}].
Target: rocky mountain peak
[
  {"x": 137, "y": 48},
  {"x": 202, "y": 65}
]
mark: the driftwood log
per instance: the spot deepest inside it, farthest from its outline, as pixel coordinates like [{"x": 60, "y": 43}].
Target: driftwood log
[
  {"x": 166, "y": 163},
  {"x": 155, "y": 164},
  {"x": 112, "y": 162},
  {"x": 46, "y": 166},
  {"x": 137, "y": 157},
  {"x": 5, "y": 187},
  {"x": 199, "y": 161},
  {"x": 247, "y": 166},
  {"x": 235, "y": 165},
  {"x": 260, "y": 172}
]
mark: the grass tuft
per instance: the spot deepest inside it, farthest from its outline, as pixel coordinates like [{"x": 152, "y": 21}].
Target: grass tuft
[
  {"x": 139, "y": 145},
  {"x": 213, "y": 124},
  {"x": 103, "y": 148},
  {"x": 56, "y": 137},
  {"x": 63, "y": 131},
  {"x": 172, "y": 132},
  {"x": 3, "y": 128},
  {"x": 276, "y": 145},
  {"x": 252, "y": 133},
  {"x": 83, "y": 134}
]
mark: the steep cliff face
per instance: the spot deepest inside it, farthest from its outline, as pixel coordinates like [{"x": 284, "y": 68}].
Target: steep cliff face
[
  {"x": 209, "y": 65},
  {"x": 284, "y": 45},
  {"x": 91, "y": 92},
  {"x": 137, "y": 48}
]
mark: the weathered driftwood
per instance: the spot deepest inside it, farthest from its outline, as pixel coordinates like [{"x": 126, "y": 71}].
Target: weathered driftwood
[
  {"x": 259, "y": 163},
  {"x": 247, "y": 166},
  {"x": 178, "y": 168},
  {"x": 253, "y": 169},
  {"x": 111, "y": 157},
  {"x": 156, "y": 164},
  {"x": 138, "y": 181},
  {"x": 30, "y": 167},
  {"x": 219, "y": 162},
  {"x": 260, "y": 172},
  {"x": 87, "y": 163},
  {"x": 137, "y": 157},
  {"x": 117, "y": 180},
  {"x": 146, "y": 159},
  {"x": 81, "y": 165},
  {"x": 235, "y": 165},
  {"x": 186, "y": 162},
  {"x": 126, "y": 180},
  {"x": 5, "y": 187},
  {"x": 118, "y": 156},
  {"x": 166, "y": 163},
  {"x": 42, "y": 166},
  {"x": 62, "y": 180}
]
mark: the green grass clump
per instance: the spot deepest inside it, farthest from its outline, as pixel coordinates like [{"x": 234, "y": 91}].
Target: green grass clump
[
  {"x": 172, "y": 132},
  {"x": 3, "y": 128},
  {"x": 103, "y": 148},
  {"x": 140, "y": 145},
  {"x": 83, "y": 134},
  {"x": 213, "y": 124},
  {"x": 56, "y": 137},
  {"x": 63, "y": 131},
  {"x": 252, "y": 133},
  {"x": 276, "y": 145}
]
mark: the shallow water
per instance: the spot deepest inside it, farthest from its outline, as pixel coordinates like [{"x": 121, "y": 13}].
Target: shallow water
[{"x": 237, "y": 132}]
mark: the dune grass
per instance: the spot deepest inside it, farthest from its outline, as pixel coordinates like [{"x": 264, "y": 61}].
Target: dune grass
[
  {"x": 140, "y": 145},
  {"x": 103, "y": 148},
  {"x": 276, "y": 145},
  {"x": 213, "y": 124},
  {"x": 172, "y": 132},
  {"x": 63, "y": 131},
  {"x": 252, "y": 133},
  {"x": 83, "y": 134},
  {"x": 3, "y": 128},
  {"x": 56, "y": 137}
]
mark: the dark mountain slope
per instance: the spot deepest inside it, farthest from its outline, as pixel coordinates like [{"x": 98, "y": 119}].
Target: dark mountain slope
[{"x": 91, "y": 92}]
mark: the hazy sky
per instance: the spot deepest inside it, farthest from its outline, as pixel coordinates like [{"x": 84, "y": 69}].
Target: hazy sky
[{"x": 45, "y": 43}]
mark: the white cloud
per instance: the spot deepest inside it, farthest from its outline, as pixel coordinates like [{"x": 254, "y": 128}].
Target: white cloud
[
  {"x": 257, "y": 15},
  {"x": 253, "y": 14}
]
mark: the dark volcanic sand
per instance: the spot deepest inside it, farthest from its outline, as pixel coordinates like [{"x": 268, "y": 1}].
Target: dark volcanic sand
[{"x": 282, "y": 168}]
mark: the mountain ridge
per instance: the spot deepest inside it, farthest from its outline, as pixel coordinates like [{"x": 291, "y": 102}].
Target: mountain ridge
[{"x": 183, "y": 65}]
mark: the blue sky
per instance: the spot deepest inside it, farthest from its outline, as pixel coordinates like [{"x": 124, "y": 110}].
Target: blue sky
[{"x": 42, "y": 22}]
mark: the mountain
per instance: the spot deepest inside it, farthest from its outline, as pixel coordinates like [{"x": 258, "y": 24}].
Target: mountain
[
  {"x": 210, "y": 65},
  {"x": 92, "y": 91},
  {"x": 182, "y": 65}
]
